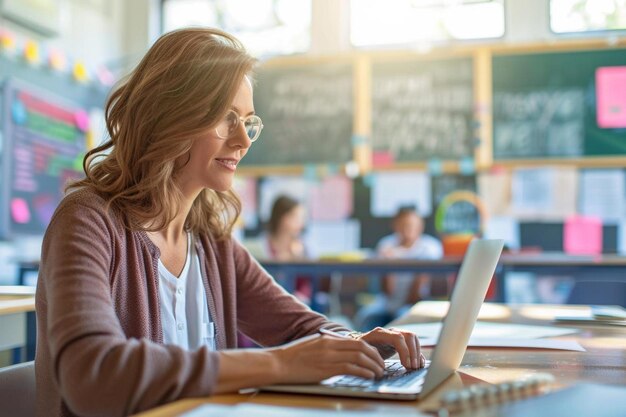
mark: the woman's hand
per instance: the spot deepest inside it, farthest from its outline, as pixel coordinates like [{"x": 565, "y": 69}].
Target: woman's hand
[
  {"x": 318, "y": 357},
  {"x": 405, "y": 343}
]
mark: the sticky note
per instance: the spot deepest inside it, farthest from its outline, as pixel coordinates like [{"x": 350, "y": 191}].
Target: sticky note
[
  {"x": 582, "y": 235},
  {"x": 31, "y": 52},
  {"x": 382, "y": 158},
  {"x": 80, "y": 72},
  {"x": 611, "y": 97},
  {"x": 81, "y": 120},
  {"x": 20, "y": 211}
]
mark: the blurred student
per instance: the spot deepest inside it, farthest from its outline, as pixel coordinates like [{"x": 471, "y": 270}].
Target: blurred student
[
  {"x": 142, "y": 288},
  {"x": 401, "y": 290}
]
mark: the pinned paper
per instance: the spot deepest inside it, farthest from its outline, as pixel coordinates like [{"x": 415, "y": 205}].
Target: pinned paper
[
  {"x": 611, "y": 97},
  {"x": 80, "y": 72},
  {"x": 31, "y": 52},
  {"x": 7, "y": 41},
  {"x": 57, "y": 60},
  {"x": 310, "y": 172},
  {"x": 20, "y": 211},
  {"x": 602, "y": 194},
  {"x": 382, "y": 159},
  {"x": 273, "y": 186},
  {"x": 582, "y": 236},
  {"x": 81, "y": 120},
  {"x": 332, "y": 199},
  {"x": 494, "y": 189},
  {"x": 246, "y": 189},
  {"x": 105, "y": 76},
  {"x": 393, "y": 190}
]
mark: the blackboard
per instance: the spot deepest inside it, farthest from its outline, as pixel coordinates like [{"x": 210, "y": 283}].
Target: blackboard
[
  {"x": 423, "y": 109},
  {"x": 43, "y": 142},
  {"x": 307, "y": 114},
  {"x": 545, "y": 105}
]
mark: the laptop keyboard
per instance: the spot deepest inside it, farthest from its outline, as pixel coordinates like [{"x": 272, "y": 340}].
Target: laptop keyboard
[{"x": 395, "y": 375}]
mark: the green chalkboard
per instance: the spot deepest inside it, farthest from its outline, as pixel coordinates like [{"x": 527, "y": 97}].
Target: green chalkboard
[
  {"x": 547, "y": 105},
  {"x": 423, "y": 109},
  {"x": 307, "y": 114}
]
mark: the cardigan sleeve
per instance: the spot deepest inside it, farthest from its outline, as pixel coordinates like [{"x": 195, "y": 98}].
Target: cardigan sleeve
[
  {"x": 265, "y": 311},
  {"x": 97, "y": 370}
]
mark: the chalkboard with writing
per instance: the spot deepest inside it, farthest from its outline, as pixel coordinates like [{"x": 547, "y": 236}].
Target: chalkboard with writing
[
  {"x": 307, "y": 114},
  {"x": 559, "y": 104},
  {"x": 423, "y": 109}
]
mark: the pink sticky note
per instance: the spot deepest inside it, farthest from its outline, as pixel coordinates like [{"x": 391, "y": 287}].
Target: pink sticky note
[
  {"x": 81, "y": 119},
  {"x": 382, "y": 158},
  {"x": 19, "y": 211},
  {"x": 332, "y": 199},
  {"x": 611, "y": 97},
  {"x": 582, "y": 235}
]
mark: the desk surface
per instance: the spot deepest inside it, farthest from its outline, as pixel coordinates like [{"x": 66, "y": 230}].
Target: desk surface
[
  {"x": 604, "y": 362},
  {"x": 10, "y": 304}
]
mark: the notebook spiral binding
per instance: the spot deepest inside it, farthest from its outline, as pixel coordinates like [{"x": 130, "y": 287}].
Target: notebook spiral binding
[{"x": 478, "y": 395}]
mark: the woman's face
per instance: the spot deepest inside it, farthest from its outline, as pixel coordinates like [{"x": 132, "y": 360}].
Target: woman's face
[
  {"x": 292, "y": 222},
  {"x": 212, "y": 160}
]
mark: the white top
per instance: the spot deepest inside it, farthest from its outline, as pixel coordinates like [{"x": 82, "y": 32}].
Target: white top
[
  {"x": 426, "y": 247},
  {"x": 185, "y": 315}
]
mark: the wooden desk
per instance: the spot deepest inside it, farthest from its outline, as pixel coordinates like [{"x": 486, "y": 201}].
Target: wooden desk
[
  {"x": 15, "y": 303},
  {"x": 604, "y": 362}
]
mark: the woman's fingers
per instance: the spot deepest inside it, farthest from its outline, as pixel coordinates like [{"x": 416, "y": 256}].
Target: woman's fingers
[{"x": 405, "y": 343}]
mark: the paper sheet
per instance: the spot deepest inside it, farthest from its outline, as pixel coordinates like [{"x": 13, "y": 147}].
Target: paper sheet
[
  {"x": 484, "y": 330},
  {"x": 246, "y": 188},
  {"x": 392, "y": 190},
  {"x": 602, "y": 194},
  {"x": 258, "y": 410},
  {"x": 544, "y": 193},
  {"x": 326, "y": 238},
  {"x": 273, "y": 186},
  {"x": 582, "y": 235},
  {"x": 494, "y": 190},
  {"x": 503, "y": 227},
  {"x": 332, "y": 199},
  {"x": 516, "y": 343}
]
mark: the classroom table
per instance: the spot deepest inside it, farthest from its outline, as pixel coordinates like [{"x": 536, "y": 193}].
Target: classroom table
[
  {"x": 603, "y": 362},
  {"x": 16, "y": 302},
  {"x": 578, "y": 267}
]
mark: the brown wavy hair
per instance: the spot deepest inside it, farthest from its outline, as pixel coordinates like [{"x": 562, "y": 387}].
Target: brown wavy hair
[{"x": 184, "y": 85}]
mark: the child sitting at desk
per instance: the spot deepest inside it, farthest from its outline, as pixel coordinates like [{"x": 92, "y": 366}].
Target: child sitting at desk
[
  {"x": 401, "y": 290},
  {"x": 142, "y": 288}
]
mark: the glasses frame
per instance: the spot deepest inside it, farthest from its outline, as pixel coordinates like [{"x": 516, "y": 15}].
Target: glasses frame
[{"x": 241, "y": 121}]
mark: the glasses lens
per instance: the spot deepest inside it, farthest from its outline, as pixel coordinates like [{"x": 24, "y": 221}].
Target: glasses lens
[
  {"x": 253, "y": 127},
  {"x": 226, "y": 128}
]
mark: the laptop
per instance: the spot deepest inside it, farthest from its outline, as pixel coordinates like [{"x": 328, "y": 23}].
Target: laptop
[{"x": 470, "y": 289}]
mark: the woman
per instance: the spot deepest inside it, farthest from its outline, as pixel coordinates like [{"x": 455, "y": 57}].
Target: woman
[{"x": 141, "y": 289}]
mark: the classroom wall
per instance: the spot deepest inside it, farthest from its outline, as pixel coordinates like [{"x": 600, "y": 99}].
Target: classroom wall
[{"x": 113, "y": 33}]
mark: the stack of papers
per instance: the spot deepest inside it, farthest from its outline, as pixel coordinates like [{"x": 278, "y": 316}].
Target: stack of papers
[
  {"x": 598, "y": 315},
  {"x": 501, "y": 335}
]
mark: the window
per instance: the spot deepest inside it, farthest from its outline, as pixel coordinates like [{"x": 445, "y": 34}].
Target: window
[
  {"x": 569, "y": 16},
  {"x": 398, "y": 22},
  {"x": 266, "y": 27}
]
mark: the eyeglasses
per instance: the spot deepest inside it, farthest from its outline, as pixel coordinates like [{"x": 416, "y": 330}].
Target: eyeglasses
[{"x": 229, "y": 125}]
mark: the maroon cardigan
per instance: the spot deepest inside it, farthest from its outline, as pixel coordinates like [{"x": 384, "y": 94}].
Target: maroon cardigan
[{"x": 99, "y": 337}]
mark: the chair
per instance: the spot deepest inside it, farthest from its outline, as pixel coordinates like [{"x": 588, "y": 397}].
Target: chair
[
  {"x": 17, "y": 390},
  {"x": 598, "y": 293}
]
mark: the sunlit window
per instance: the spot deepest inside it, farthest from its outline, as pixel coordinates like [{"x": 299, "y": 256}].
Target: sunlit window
[
  {"x": 567, "y": 16},
  {"x": 402, "y": 22},
  {"x": 266, "y": 27}
]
